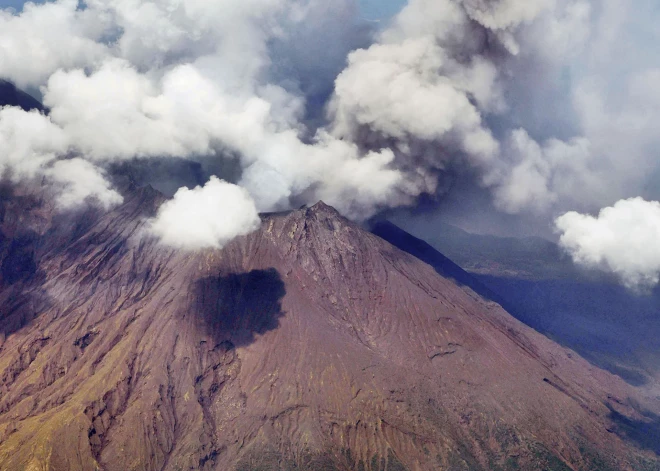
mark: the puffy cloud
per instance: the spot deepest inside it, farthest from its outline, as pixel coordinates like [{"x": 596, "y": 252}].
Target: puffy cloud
[
  {"x": 29, "y": 142},
  {"x": 283, "y": 167},
  {"x": 185, "y": 113},
  {"x": 110, "y": 113},
  {"x": 357, "y": 186},
  {"x": 429, "y": 86},
  {"x": 623, "y": 238},
  {"x": 80, "y": 181},
  {"x": 398, "y": 90},
  {"x": 205, "y": 217},
  {"x": 32, "y": 146},
  {"x": 45, "y": 38}
]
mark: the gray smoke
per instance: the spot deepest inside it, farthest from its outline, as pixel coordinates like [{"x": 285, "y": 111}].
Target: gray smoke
[
  {"x": 187, "y": 79},
  {"x": 520, "y": 97}
]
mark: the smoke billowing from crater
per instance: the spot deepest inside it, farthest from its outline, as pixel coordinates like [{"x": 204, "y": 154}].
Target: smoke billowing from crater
[{"x": 518, "y": 95}]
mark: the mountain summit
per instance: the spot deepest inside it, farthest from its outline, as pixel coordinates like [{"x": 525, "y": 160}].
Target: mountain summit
[{"x": 310, "y": 344}]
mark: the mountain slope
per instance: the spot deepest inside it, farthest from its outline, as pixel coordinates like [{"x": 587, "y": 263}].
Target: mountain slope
[
  {"x": 309, "y": 344},
  {"x": 587, "y": 311}
]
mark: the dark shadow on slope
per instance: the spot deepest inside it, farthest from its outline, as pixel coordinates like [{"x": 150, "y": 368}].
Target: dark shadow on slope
[
  {"x": 21, "y": 299},
  {"x": 606, "y": 324},
  {"x": 426, "y": 253},
  {"x": 644, "y": 433},
  {"x": 20, "y": 307},
  {"x": 239, "y": 307},
  {"x": 18, "y": 258},
  {"x": 594, "y": 319}
]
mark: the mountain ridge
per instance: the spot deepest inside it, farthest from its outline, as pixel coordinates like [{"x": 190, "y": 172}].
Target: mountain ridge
[
  {"x": 308, "y": 344},
  {"x": 587, "y": 311}
]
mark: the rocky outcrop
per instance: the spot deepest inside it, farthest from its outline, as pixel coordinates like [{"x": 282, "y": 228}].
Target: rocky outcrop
[{"x": 309, "y": 344}]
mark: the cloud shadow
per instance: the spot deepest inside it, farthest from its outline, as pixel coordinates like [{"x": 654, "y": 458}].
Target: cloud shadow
[
  {"x": 240, "y": 307},
  {"x": 645, "y": 433}
]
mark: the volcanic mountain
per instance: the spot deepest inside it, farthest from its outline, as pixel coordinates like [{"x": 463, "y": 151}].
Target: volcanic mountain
[
  {"x": 310, "y": 344},
  {"x": 586, "y": 310}
]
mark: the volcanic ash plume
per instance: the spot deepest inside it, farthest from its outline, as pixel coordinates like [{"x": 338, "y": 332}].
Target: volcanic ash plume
[
  {"x": 188, "y": 79},
  {"x": 309, "y": 103}
]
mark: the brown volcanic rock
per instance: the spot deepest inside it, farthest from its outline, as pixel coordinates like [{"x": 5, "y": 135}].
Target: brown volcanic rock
[{"x": 309, "y": 344}]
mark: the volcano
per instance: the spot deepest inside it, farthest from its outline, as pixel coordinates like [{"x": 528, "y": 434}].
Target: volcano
[{"x": 310, "y": 344}]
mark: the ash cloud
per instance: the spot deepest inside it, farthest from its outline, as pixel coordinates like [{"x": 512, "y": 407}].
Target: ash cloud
[
  {"x": 155, "y": 80},
  {"x": 518, "y": 98}
]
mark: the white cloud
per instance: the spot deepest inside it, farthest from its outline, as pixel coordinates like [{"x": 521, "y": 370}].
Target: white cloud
[
  {"x": 623, "y": 239},
  {"x": 29, "y": 142},
  {"x": 397, "y": 90},
  {"x": 80, "y": 181},
  {"x": 205, "y": 217},
  {"x": 432, "y": 77},
  {"x": 45, "y": 38},
  {"x": 31, "y": 146},
  {"x": 186, "y": 79}
]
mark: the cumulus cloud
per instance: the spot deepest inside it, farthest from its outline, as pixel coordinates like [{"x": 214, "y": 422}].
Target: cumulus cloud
[
  {"x": 79, "y": 181},
  {"x": 428, "y": 78},
  {"x": 32, "y": 146},
  {"x": 29, "y": 142},
  {"x": 205, "y": 217},
  {"x": 45, "y": 38},
  {"x": 623, "y": 238}
]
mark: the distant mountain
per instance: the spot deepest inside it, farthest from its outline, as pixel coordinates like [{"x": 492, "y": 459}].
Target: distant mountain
[
  {"x": 12, "y": 96},
  {"x": 309, "y": 344},
  {"x": 529, "y": 258},
  {"x": 586, "y": 311}
]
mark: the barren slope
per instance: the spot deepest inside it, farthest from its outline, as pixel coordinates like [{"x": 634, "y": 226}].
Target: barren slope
[{"x": 309, "y": 344}]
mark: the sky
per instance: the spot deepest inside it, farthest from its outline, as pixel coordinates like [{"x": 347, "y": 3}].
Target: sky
[
  {"x": 380, "y": 10},
  {"x": 370, "y": 9},
  {"x": 534, "y": 116},
  {"x": 17, "y": 4}
]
